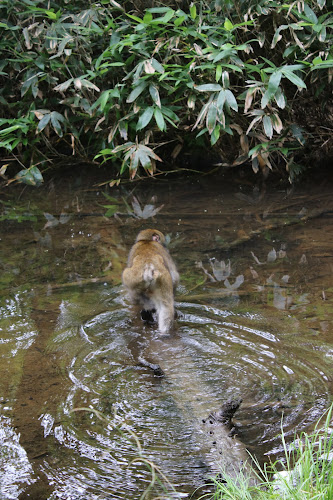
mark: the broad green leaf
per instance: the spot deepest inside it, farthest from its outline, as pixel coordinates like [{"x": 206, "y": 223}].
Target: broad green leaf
[
  {"x": 228, "y": 25},
  {"x": 193, "y": 10},
  {"x": 225, "y": 79},
  {"x": 135, "y": 18},
  {"x": 43, "y": 122},
  {"x": 224, "y": 54},
  {"x": 221, "y": 100},
  {"x": 273, "y": 85},
  {"x": 165, "y": 19},
  {"x": 155, "y": 95},
  {"x": 208, "y": 87},
  {"x": 159, "y": 119},
  {"x": 268, "y": 126},
  {"x": 179, "y": 20},
  {"x": 231, "y": 100},
  {"x": 56, "y": 124},
  {"x": 280, "y": 98},
  {"x": 136, "y": 91},
  {"x": 215, "y": 135},
  {"x": 310, "y": 14},
  {"x": 211, "y": 117},
  {"x": 218, "y": 73},
  {"x": 322, "y": 34},
  {"x": 157, "y": 66},
  {"x": 296, "y": 80},
  {"x": 147, "y": 17},
  {"x": 145, "y": 118}
]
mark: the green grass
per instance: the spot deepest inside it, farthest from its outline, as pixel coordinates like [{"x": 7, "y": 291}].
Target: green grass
[{"x": 306, "y": 472}]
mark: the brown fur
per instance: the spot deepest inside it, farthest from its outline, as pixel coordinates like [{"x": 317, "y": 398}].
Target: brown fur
[{"x": 151, "y": 276}]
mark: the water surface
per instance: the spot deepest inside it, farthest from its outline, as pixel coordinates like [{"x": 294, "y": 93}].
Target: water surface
[{"x": 80, "y": 416}]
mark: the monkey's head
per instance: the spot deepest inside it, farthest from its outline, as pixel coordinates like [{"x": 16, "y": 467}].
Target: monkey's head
[{"x": 151, "y": 235}]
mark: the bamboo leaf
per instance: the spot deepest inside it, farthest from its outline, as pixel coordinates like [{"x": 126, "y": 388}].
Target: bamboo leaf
[
  {"x": 268, "y": 127},
  {"x": 159, "y": 119},
  {"x": 136, "y": 91},
  {"x": 231, "y": 100},
  {"x": 211, "y": 117},
  {"x": 296, "y": 80},
  {"x": 155, "y": 95},
  {"x": 208, "y": 87},
  {"x": 145, "y": 118}
]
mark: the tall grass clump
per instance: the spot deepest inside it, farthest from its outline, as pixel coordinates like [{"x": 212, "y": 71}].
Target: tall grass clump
[{"x": 305, "y": 472}]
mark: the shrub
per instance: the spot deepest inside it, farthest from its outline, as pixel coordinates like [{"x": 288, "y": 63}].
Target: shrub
[{"x": 105, "y": 84}]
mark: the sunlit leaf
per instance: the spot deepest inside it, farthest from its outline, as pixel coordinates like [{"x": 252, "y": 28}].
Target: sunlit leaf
[
  {"x": 228, "y": 25},
  {"x": 208, "y": 87},
  {"x": 193, "y": 10}
]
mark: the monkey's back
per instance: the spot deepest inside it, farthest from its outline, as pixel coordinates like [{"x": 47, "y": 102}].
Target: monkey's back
[{"x": 147, "y": 252}]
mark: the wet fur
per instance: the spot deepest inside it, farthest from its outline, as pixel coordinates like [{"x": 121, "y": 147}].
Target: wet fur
[{"x": 151, "y": 277}]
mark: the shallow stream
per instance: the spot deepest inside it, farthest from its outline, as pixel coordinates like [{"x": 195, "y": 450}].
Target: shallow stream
[{"x": 80, "y": 416}]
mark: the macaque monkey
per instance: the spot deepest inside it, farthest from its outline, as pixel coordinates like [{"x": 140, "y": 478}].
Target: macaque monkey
[{"x": 151, "y": 277}]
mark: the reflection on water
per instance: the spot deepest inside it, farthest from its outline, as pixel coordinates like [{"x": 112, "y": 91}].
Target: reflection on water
[{"x": 82, "y": 416}]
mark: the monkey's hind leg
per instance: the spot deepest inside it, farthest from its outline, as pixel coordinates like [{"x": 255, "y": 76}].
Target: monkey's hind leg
[{"x": 166, "y": 315}]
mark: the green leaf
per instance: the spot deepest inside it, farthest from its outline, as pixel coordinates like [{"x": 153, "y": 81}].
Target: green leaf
[
  {"x": 231, "y": 100},
  {"x": 179, "y": 20},
  {"x": 193, "y": 11},
  {"x": 228, "y": 25},
  {"x": 155, "y": 95},
  {"x": 211, "y": 117},
  {"x": 157, "y": 66},
  {"x": 273, "y": 85},
  {"x": 159, "y": 119},
  {"x": 322, "y": 34},
  {"x": 208, "y": 87},
  {"x": 215, "y": 135},
  {"x": 268, "y": 126},
  {"x": 218, "y": 72},
  {"x": 145, "y": 118},
  {"x": 136, "y": 91},
  {"x": 280, "y": 99},
  {"x": 296, "y": 80},
  {"x": 310, "y": 14},
  {"x": 44, "y": 121},
  {"x": 165, "y": 19},
  {"x": 221, "y": 100},
  {"x": 56, "y": 124}
]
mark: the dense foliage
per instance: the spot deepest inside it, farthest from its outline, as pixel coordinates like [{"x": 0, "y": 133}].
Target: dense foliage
[{"x": 250, "y": 81}]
